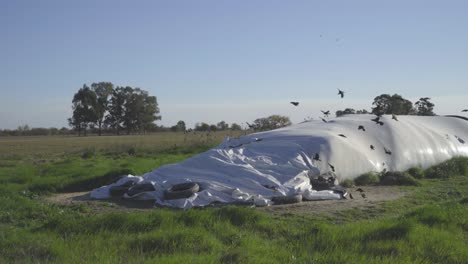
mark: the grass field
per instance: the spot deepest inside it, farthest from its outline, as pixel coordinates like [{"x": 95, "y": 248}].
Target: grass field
[{"x": 429, "y": 225}]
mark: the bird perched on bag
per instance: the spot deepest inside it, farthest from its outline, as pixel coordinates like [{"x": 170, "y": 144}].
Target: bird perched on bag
[
  {"x": 295, "y": 103},
  {"x": 317, "y": 157}
]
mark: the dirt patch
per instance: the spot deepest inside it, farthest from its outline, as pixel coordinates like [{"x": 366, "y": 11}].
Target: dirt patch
[
  {"x": 83, "y": 198},
  {"x": 374, "y": 195}
]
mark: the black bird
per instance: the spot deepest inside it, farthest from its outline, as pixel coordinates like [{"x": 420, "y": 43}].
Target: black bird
[
  {"x": 359, "y": 190},
  {"x": 341, "y": 135},
  {"x": 465, "y": 110},
  {"x": 250, "y": 126},
  {"x": 317, "y": 157},
  {"x": 460, "y": 140},
  {"x": 372, "y": 147},
  {"x": 380, "y": 123},
  {"x": 324, "y": 120},
  {"x": 295, "y": 103},
  {"x": 340, "y": 92},
  {"x": 361, "y": 128},
  {"x": 325, "y": 113},
  {"x": 387, "y": 151},
  {"x": 377, "y": 119},
  {"x": 363, "y": 195},
  {"x": 332, "y": 167},
  {"x": 394, "y": 117}
]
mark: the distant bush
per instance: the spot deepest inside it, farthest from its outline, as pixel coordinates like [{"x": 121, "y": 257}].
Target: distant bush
[
  {"x": 416, "y": 172},
  {"x": 88, "y": 153},
  {"x": 453, "y": 167},
  {"x": 132, "y": 151},
  {"x": 348, "y": 183},
  {"x": 398, "y": 178},
  {"x": 367, "y": 179}
]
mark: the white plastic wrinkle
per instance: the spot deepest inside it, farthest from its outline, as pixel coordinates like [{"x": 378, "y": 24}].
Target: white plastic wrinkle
[{"x": 259, "y": 166}]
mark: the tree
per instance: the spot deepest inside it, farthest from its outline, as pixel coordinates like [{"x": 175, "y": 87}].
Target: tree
[
  {"x": 395, "y": 104},
  {"x": 180, "y": 126},
  {"x": 83, "y": 105},
  {"x": 222, "y": 126},
  {"x": 202, "y": 127},
  {"x": 115, "y": 117},
  {"x": 347, "y": 111},
  {"x": 102, "y": 90},
  {"x": 271, "y": 122},
  {"x": 424, "y": 107},
  {"x": 133, "y": 110},
  {"x": 363, "y": 111},
  {"x": 235, "y": 126}
]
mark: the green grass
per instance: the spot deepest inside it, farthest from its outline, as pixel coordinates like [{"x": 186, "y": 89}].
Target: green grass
[{"x": 428, "y": 225}]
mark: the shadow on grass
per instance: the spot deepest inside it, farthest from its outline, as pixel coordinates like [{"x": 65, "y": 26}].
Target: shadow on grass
[{"x": 82, "y": 185}]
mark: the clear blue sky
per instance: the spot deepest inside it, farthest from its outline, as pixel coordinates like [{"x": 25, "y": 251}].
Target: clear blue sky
[{"x": 231, "y": 60}]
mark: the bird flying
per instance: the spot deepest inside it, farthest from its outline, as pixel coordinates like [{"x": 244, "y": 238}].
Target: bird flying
[
  {"x": 387, "y": 151},
  {"x": 341, "y": 135},
  {"x": 332, "y": 167},
  {"x": 372, "y": 147},
  {"x": 340, "y": 92},
  {"x": 295, "y": 103},
  {"x": 361, "y": 128},
  {"x": 324, "y": 120},
  {"x": 325, "y": 113},
  {"x": 465, "y": 110}
]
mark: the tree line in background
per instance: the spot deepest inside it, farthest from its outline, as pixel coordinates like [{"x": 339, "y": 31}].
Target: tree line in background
[
  {"x": 117, "y": 109},
  {"x": 386, "y": 104},
  {"x": 102, "y": 108}
]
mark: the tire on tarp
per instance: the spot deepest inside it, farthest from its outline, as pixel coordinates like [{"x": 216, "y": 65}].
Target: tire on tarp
[
  {"x": 181, "y": 190},
  {"x": 290, "y": 199},
  {"x": 121, "y": 189},
  {"x": 140, "y": 188}
]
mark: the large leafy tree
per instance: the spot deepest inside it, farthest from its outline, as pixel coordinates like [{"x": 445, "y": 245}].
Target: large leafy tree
[
  {"x": 424, "y": 107},
  {"x": 83, "y": 104},
  {"x": 132, "y": 109},
  {"x": 392, "y": 104},
  {"x": 116, "y": 109},
  {"x": 222, "y": 125},
  {"x": 102, "y": 90},
  {"x": 180, "y": 126}
]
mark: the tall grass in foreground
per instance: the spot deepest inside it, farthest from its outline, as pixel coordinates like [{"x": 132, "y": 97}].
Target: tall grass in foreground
[{"x": 429, "y": 225}]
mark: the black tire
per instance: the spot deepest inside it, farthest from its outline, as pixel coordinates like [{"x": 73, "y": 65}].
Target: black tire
[
  {"x": 296, "y": 198},
  {"x": 140, "y": 188},
  {"x": 182, "y": 190},
  {"x": 121, "y": 189}
]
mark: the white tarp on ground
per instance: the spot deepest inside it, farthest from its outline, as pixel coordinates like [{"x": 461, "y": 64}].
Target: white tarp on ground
[{"x": 279, "y": 162}]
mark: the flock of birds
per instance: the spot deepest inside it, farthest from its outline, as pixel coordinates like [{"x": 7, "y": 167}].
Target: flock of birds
[{"x": 377, "y": 120}]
